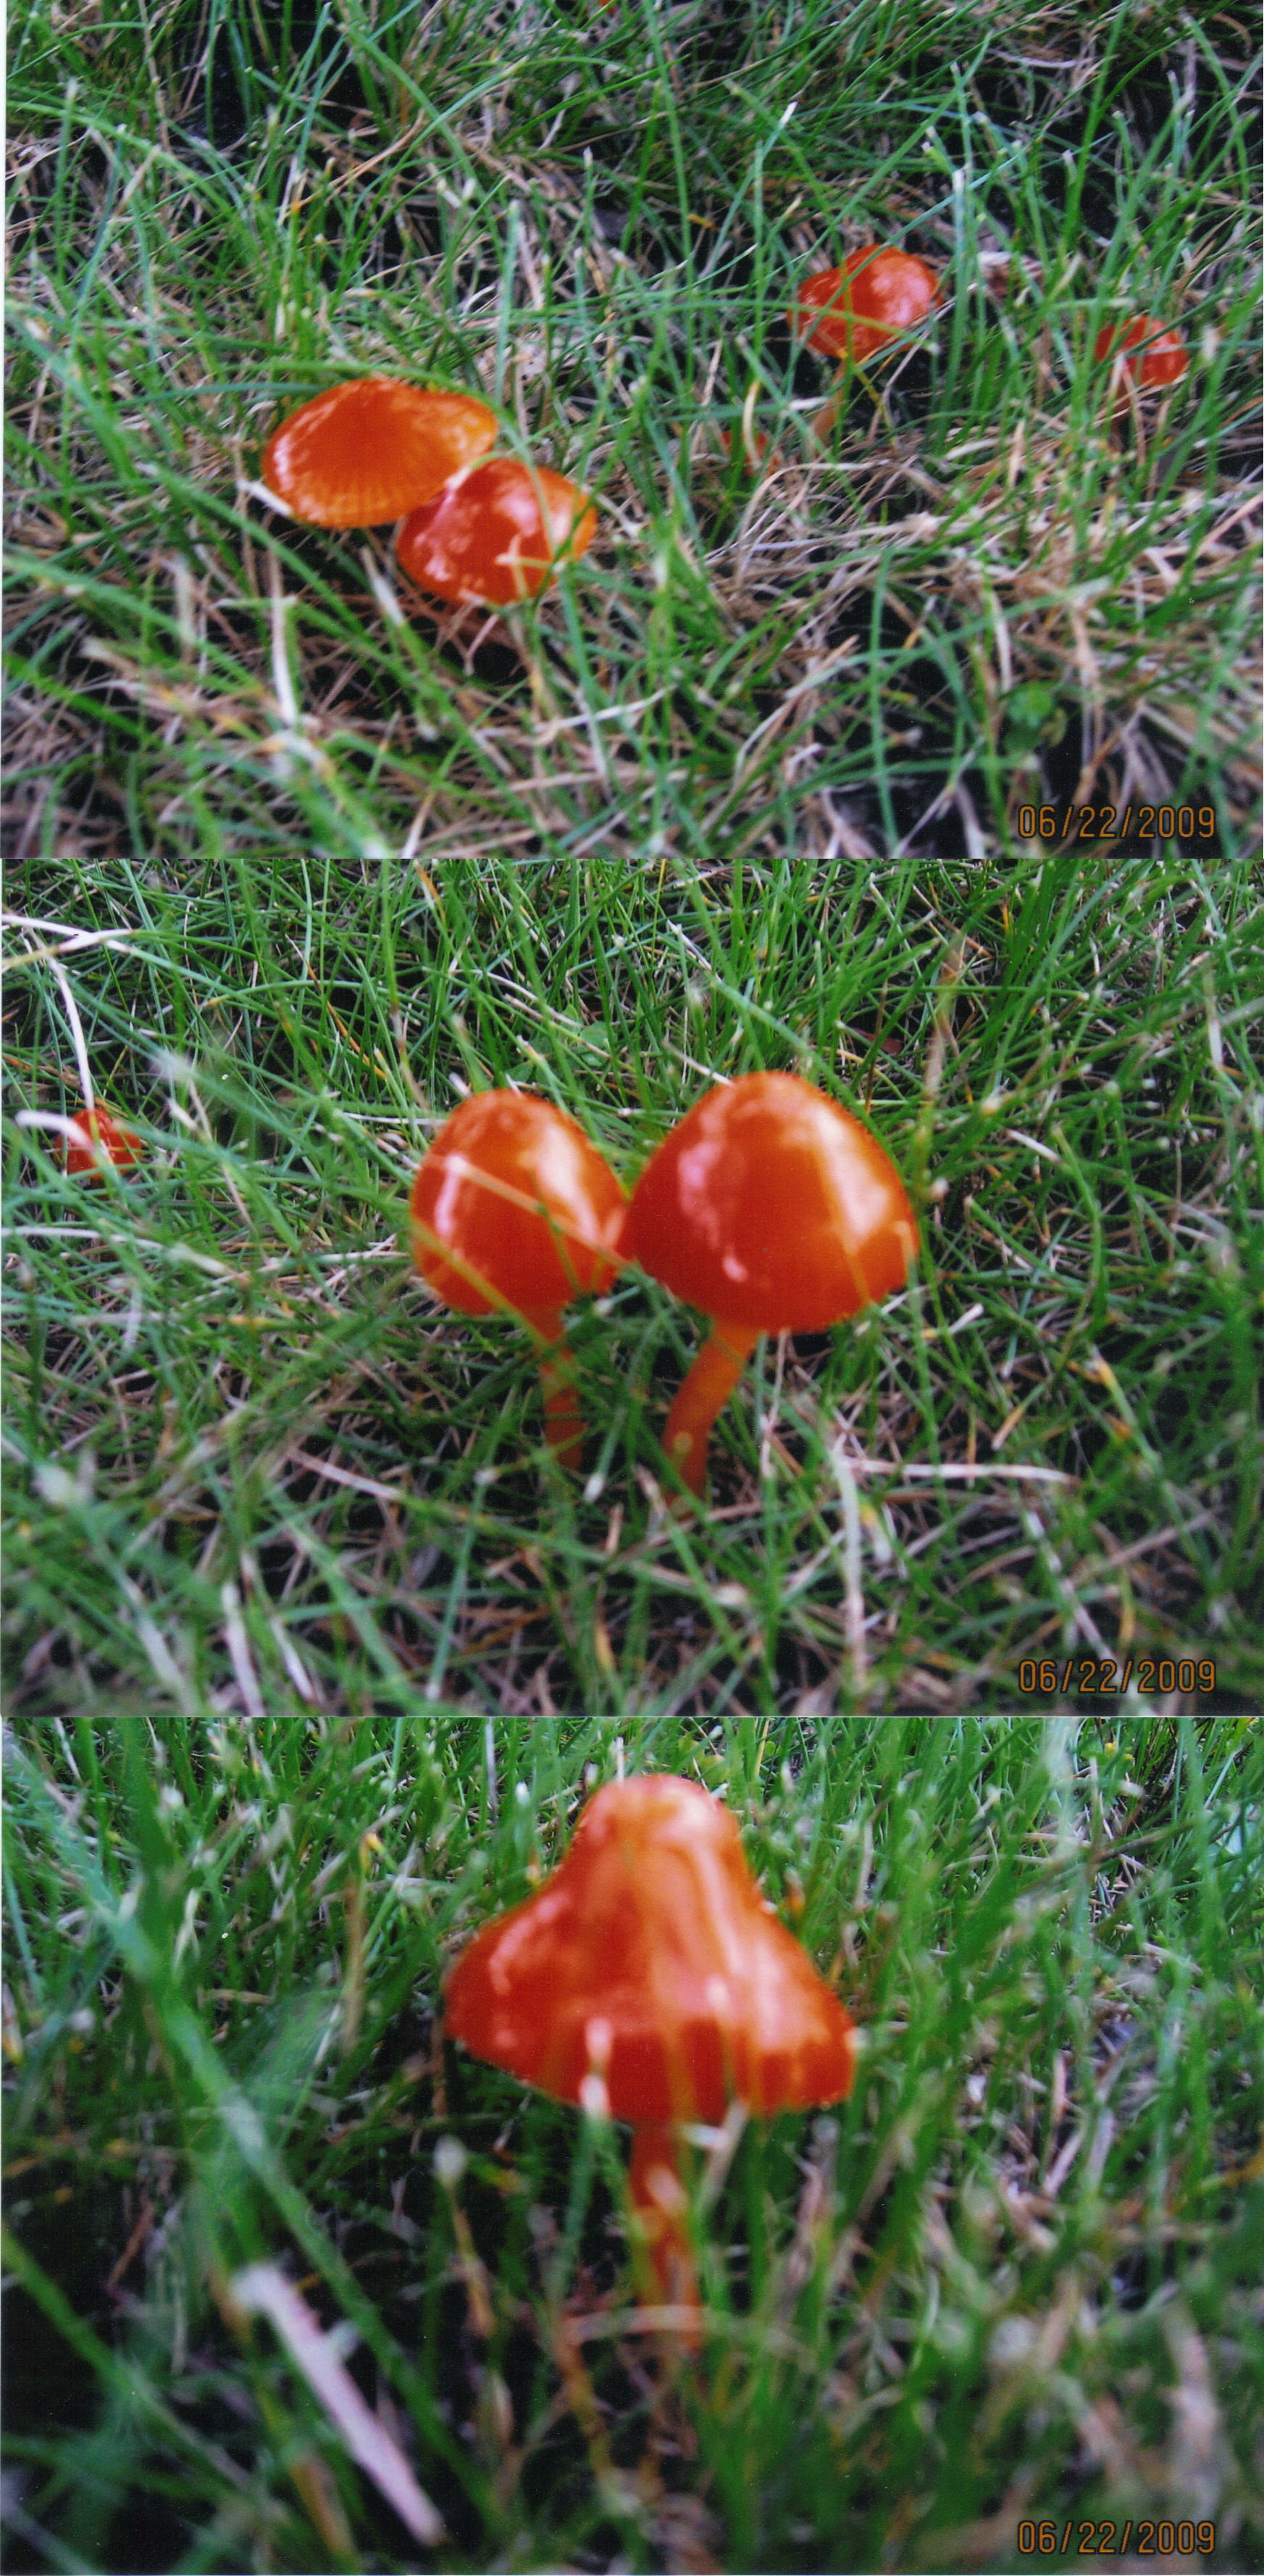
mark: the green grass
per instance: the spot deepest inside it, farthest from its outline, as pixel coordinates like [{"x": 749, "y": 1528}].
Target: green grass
[
  {"x": 743, "y": 790},
  {"x": 310, "y": 1649},
  {"x": 1015, "y": 2277}
]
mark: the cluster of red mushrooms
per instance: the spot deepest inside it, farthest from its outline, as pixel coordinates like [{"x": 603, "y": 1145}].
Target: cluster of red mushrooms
[
  {"x": 476, "y": 527},
  {"x": 860, "y": 310},
  {"x": 648, "y": 1981},
  {"x": 482, "y": 529},
  {"x": 768, "y": 1207},
  {"x": 489, "y": 530}
]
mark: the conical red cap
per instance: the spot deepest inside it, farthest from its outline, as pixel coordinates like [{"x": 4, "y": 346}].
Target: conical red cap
[
  {"x": 771, "y": 1207},
  {"x": 651, "y": 1959},
  {"x": 514, "y": 1196}
]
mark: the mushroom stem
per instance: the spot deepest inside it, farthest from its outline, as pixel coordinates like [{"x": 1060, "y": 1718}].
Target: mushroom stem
[
  {"x": 703, "y": 1395},
  {"x": 563, "y": 1421},
  {"x": 658, "y": 2197}
]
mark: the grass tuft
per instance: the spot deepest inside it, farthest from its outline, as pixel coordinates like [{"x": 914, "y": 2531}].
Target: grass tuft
[
  {"x": 310, "y": 1649},
  {"x": 749, "y": 787},
  {"x": 1014, "y": 2279}
]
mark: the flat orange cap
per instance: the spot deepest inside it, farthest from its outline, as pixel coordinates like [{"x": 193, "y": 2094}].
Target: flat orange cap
[
  {"x": 651, "y": 1959},
  {"x": 771, "y": 1207},
  {"x": 369, "y": 450}
]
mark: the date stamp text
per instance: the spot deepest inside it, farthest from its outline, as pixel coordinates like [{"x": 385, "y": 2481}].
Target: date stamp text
[
  {"x": 1109, "y": 1676},
  {"x": 1117, "y": 823},
  {"x": 1112, "y": 2539}
]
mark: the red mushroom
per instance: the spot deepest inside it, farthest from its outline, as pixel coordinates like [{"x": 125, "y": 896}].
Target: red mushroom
[
  {"x": 493, "y": 535},
  {"x": 1161, "y": 356},
  {"x": 774, "y": 1211},
  {"x": 513, "y": 1209},
  {"x": 648, "y": 1977},
  {"x": 754, "y": 445},
  {"x": 367, "y": 451},
  {"x": 857, "y": 310},
  {"x": 96, "y": 1138}
]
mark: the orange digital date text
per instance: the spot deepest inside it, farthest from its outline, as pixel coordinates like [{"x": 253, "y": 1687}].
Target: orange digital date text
[
  {"x": 1117, "y": 823},
  {"x": 1108, "y": 1676},
  {"x": 1075, "y": 2539}
]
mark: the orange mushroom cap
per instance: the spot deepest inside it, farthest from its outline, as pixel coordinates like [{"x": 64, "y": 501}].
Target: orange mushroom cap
[
  {"x": 97, "y": 1137},
  {"x": 369, "y": 450},
  {"x": 650, "y": 1959},
  {"x": 514, "y": 1206},
  {"x": 492, "y": 536},
  {"x": 773, "y": 1208},
  {"x": 775, "y": 1212},
  {"x": 754, "y": 444},
  {"x": 1163, "y": 358},
  {"x": 858, "y": 309},
  {"x": 513, "y": 1196}
]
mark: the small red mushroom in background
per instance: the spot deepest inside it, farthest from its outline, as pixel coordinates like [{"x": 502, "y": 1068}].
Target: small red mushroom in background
[
  {"x": 514, "y": 1208},
  {"x": 856, "y": 311},
  {"x": 367, "y": 451},
  {"x": 1146, "y": 355},
  {"x": 774, "y": 1211},
  {"x": 493, "y": 534},
  {"x": 649, "y": 1980},
  {"x": 96, "y": 1138},
  {"x": 754, "y": 446}
]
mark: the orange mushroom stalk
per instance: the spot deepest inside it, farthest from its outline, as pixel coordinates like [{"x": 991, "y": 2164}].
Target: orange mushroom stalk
[
  {"x": 648, "y": 1978},
  {"x": 367, "y": 451},
  {"x": 774, "y": 1211},
  {"x": 494, "y": 534},
  {"x": 513, "y": 1208}
]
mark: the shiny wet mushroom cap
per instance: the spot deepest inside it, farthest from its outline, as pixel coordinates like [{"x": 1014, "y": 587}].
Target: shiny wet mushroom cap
[
  {"x": 773, "y": 1210},
  {"x": 650, "y": 1965},
  {"x": 856, "y": 311},
  {"x": 367, "y": 451},
  {"x": 495, "y": 535},
  {"x": 513, "y": 1207}
]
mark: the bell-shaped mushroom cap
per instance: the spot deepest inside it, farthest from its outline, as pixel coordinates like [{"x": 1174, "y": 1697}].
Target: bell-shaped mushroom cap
[
  {"x": 369, "y": 450},
  {"x": 650, "y": 1959},
  {"x": 494, "y": 534},
  {"x": 771, "y": 1207},
  {"x": 97, "y": 1137},
  {"x": 512, "y": 1193},
  {"x": 1150, "y": 355},
  {"x": 859, "y": 309}
]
